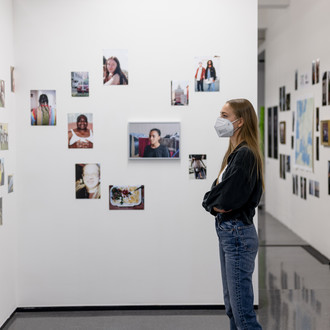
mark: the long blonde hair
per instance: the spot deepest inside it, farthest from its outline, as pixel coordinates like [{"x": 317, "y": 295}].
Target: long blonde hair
[{"x": 248, "y": 133}]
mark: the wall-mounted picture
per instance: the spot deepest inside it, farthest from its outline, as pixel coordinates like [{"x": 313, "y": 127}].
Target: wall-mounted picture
[
  {"x": 197, "y": 167},
  {"x": 80, "y": 130},
  {"x": 2, "y": 171},
  {"x": 293, "y": 120},
  {"x": 179, "y": 92},
  {"x": 292, "y": 142},
  {"x": 325, "y": 125},
  {"x": 296, "y": 80},
  {"x": 275, "y": 133},
  {"x": 313, "y": 72},
  {"x": 115, "y": 67},
  {"x": 88, "y": 181},
  {"x": 3, "y": 136},
  {"x": 317, "y": 189},
  {"x": 126, "y": 197},
  {"x": 12, "y": 79},
  {"x": 324, "y": 88},
  {"x": 317, "y": 121},
  {"x": 79, "y": 84},
  {"x": 288, "y": 101},
  {"x": 288, "y": 163},
  {"x": 43, "y": 107},
  {"x": 317, "y": 69},
  {"x": 282, "y": 98},
  {"x": 317, "y": 145},
  {"x": 311, "y": 187},
  {"x": 154, "y": 140},
  {"x": 303, "y": 188},
  {"x": 328, "y": 87},
  {"x": 295, "y": 184},
  {"x": 2, "y": 93},
  {"x": 207, "y": 73},
  {"x": 304, "y": 134},
  {"x": 270, "y": 132},
  {"x": 282, "y": 132},
  {"x": 10, "y": 183}
]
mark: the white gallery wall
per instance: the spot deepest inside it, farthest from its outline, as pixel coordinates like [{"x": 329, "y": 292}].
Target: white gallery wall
[
  {"x": 8, "y": 228},
  {"x": 295, "y": 37},
  {"x": 78, "y": 252}
]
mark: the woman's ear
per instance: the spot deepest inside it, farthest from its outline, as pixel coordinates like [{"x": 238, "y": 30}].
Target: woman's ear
[{"x": 241, "y": 122}]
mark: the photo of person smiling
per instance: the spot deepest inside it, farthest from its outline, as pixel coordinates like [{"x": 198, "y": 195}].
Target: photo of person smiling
[
  {"x": 88, "y": 181},
  {"x": 82, "y": 135},
  {"x": 155, "y": 149}
]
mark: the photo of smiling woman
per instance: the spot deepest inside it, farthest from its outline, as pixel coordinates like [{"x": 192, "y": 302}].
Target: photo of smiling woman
[
  {"x": 115, "y": 67},
  {"x": 80, "y": 130},
  {"x": 88, "y": 181},
  {"x": 233, "y": 197}
]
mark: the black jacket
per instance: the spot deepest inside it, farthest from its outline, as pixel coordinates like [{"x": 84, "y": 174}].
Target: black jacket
[
  {"x": 212, "y": 73},
  {"x": 240, "y": 189}
]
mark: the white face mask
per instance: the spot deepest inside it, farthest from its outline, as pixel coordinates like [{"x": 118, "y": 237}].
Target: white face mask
[{"x": 225, "y": 127}]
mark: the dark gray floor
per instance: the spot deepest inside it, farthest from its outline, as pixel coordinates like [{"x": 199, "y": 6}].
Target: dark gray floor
[{"x": 294, "y": 295}]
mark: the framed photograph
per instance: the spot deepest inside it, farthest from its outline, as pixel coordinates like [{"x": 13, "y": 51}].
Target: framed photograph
[
  {"x": 12, "y": 79},
  {"x": 2, "y": 93},
  {"x": 2, "y": 171},
  {"x": 197, "y": 167},
  {"x": 207, "y": 73},
  {"x": 317, "y": 121},
  {"x": 296, "y": 80},
  {"x": 317, "y": 146},
  {"x": 79, "y": 84},
  {"x": 179, "y": 92},
  {"x": 325, "y": 124},
  {"x": 154, "y": 140},
  {"x": 317, "y": 71},
  {"x": 88, "y": 181},
  {"x": 282, "y": 132},
  {"x": 10, "y": 184},
  {"x": 288, "y": 163},
  {"x": 43, "y": 107},
  {"x": 115, "y": 67},
  {"x": 288, "y": 101},
  {"x": 313, "y": 72},
  {"x": 324, "y": 88},
  {"x": 3, "y": 136},
  {"x": 80, "y": 131},
  {"x": 126, "y": 197},
  {"x": 292, "y": 142}
]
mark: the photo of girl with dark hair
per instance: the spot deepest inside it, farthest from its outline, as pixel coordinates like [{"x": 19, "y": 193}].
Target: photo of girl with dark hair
[
  {"x": 43, "y": 107},
  {"x": 114, "y": 72},
  {"x": 207, "y": 74}
]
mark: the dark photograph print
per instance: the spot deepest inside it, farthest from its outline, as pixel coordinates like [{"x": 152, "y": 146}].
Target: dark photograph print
[
  {"x": 197, "y": 167},
  {"x": 126, "y": 197},
  {"x": 88, "y": 181},
  {"x": 154, "y": 140},
  {"x": 43, "y": 107},
  {"x": 282, "y": 132},
  {"x": 325, "y": 124},
  {"x": 324, "y": 88}
]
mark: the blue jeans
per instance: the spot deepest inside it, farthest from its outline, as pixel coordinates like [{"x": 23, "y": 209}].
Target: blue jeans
[{"x": 238, "y": 245}]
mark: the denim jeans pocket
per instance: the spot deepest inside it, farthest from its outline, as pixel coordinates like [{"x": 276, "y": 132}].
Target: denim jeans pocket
[
  {"x": 249, "y": 239},
  {"x": 226, "y": 226}
]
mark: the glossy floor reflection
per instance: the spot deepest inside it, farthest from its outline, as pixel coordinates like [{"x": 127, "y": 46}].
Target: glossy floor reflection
[{"x": 294, "y": 295}]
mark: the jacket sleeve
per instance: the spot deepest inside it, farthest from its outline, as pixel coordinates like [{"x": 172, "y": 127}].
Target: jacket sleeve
[{"x": 238, "y": 183}]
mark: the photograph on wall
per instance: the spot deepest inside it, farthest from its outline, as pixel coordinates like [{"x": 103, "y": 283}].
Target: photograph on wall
[
  {"x": 282, "y": 166},
  {"x": 317, "y": 123},
  {"x": 270, "y": 132},
  {"x": 313, "y": 72},
  {"x": 79, "y": 84},
  {"x": 12, "y": 79},
  {"x": 10, "y": 183},
  {"x": 1, "y": 211},
  {"x": 179, "y": 92},
  {"x": 88, "y": 181},
  {"x": 295, "y": 184},
  {"x": 296, "y": 80},
  {"x": 80, "y": 131},
  {"x": 154, "y": 140},
  {"x": 324, "y": 88},
  {"x": 328, "y": 87},
  {"x": 2, "y": 171},
  {"x": 288, "y": 101},
  {"x": 282, "y": 99},
  {"x": 288, "y": 163},
  {"x": 311, "y": 187},
  {"x": 43, "y": 107},
  {"x": 2, "y": 93},
  {"x": 317, "y": 145},
  {"x": 325, "y": 125},
  {"x": 197, "y": 167},
  {"x": 304, "y": 134},
  {"x": 293, "y": 120},
  {"x": 3, "y": 136},
  {"x": 317, "y": 69},
  {"x": 115, "y": 67},
  {"x": 275, "y": 133},
  {"x": 292, "y": 142},
  {"x": 317, "y": 189},
  {"x": 126, "y": 197},
  {"x": 207, "y": 73},
  {"x": 282, "y": 132}
]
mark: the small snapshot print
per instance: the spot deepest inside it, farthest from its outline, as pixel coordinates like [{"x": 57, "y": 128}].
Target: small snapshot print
[
  {"x": 79, "y": 84},
  {"x": 179, "y": 92},
  {"x": 126, "y": 197},
  {"x": 12, "y": 79},
  {"x": 197, "y": 167},
  {"x": 3, "y": 136},
  {"x": 207, "y": 73},
  {"x": 10, "y": 184},
  {"x": 2, "y": 93},
  {"x": 2, "y": 171},
  {"x": 88, "y": 181},
  {"x": 115, "y": 67},
  {"x": 43, "y": 107},
  {"x": 80, "y": 131}
]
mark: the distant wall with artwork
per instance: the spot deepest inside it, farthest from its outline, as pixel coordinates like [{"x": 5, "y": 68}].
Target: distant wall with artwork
[
  {"x": 8, "y": 191},
  {"x": 98, "y": 223},
  {"x": 297, "y": 83}
]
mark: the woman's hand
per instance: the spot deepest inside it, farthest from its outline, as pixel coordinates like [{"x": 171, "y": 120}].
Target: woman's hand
[{"x": 220, "y": 211}]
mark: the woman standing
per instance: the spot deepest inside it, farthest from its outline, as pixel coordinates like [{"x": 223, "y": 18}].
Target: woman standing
[
  {"x": 232, "y": 199},
  {"x": 114, "y": 74},
  {"x": 210, "y": 75}
]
